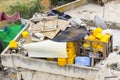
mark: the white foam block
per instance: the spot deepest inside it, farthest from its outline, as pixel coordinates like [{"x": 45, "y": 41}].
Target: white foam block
[{"x": 46, "y": 49}]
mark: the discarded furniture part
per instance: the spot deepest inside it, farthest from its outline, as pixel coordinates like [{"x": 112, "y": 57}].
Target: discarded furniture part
[
  {"x": 70, "y": 34},
  {"x": 49, "y": 28},
  {"x": 46, "y": 49},
  {"x": 111, "y": 68},
  {"x": 16, "y": 61},
  {"x": 47, "y": 23},
  {"x": 5, "y": 17}
]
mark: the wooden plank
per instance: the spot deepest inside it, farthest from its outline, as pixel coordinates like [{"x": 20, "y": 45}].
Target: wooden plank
[{"x": 50, "y": 34}]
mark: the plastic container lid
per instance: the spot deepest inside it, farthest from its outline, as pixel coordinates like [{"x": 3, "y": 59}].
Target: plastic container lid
[
  {"x": 83, "y": 61},
  {"x": 13, "y": 44},
  {"x": 25, "y": 34}
]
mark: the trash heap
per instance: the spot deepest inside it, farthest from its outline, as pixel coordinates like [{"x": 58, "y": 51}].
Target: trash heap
[{"x": 59, "y": 37}]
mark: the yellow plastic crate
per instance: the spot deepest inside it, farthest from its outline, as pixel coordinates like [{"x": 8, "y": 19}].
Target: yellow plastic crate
[
  {"x": 13, "y": 44},
  {"x": 70, "y": 44},
  {"x": 70, "y": 53},
  {"x": 62, "y": 61},
  {"x": 71, "y": 60}
]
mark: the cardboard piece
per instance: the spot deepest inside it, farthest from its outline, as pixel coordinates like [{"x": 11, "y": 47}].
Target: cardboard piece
[{"x": 49, "y": 28}]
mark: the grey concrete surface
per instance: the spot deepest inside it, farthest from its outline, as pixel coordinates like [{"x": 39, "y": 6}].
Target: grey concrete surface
[
  {"x": 110, "y": 13},
  {"x": 116, "y": 37}
]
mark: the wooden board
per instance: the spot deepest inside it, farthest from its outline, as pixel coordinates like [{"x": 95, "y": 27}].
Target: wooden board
[{"x": 61, "y": 25}]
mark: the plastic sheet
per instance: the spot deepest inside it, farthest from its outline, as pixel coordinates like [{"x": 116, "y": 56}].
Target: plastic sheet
[
  {"x": 9, "y": 33},
  {"x": 70, "y": 34},
  {"x": 5, "y": 17}
]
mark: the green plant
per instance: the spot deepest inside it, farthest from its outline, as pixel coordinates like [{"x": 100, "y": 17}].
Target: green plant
[
  {"x": 26, "y": 10},
  {"x": 55, "y": 3}
]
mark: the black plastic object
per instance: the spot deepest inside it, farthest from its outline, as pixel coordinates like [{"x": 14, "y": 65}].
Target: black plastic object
[
  {"x": 60, "y": 15},
  {"x": 70, "y": 34}
]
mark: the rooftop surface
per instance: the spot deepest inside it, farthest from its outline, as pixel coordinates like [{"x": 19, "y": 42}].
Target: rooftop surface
[{"x": 109, "y": 12}]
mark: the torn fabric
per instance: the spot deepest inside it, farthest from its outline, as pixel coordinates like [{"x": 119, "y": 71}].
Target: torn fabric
[{"x": 5, "y": 17}]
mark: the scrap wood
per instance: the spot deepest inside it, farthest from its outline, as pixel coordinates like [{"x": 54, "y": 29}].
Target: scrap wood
[{"x": 61, "y": 25}]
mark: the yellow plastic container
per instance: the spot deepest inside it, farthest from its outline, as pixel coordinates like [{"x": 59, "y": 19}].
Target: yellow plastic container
[
  {"x": 70, "y": 44},
  {"x": 13, "y": 44},
  {"x": 70, "y": 53},
  {"x": 91, "y": 37},
  {"x": 71, "y": 60},
  {"x": 105, "y": 38},
  {"x": 100, "y": 47},
  {"x": 15, "y": 75},
  {"x": 25, "y": 34},
  {"x": 62, "y": 61},
  {"x": 97, "y": 30},
  {"x": 86, "y": 45},
  {"x": 94, "y": 45},
  {"x": 70, "y": 49},
  {"x": 99, "y": 36}
]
